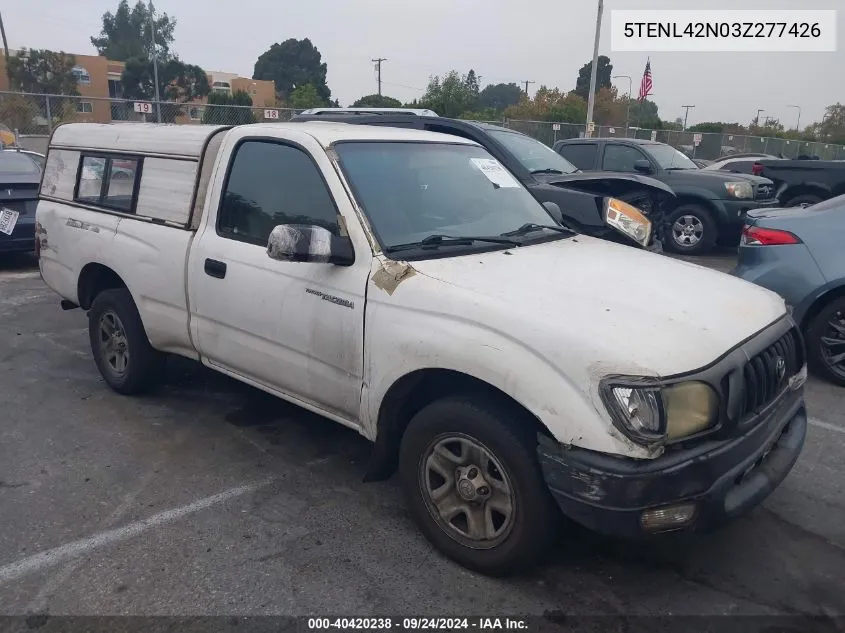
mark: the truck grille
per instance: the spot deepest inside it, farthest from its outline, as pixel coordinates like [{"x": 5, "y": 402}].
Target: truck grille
[
  {"x": 768, "y": 373},
  {"x": 764, "y": 192}
]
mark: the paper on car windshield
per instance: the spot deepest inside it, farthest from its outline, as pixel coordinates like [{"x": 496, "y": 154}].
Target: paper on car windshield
[
  {"x": 495, "y": 172},
  {"x": 8, "y": 219}
]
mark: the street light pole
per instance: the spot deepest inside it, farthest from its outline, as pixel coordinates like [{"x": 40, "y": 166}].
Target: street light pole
[
  {"x": 798, "y": 122},
  {"x": 155, "y": 61},
  {"x": 591, "y": 102},
  {"x": 757, "y": 119},
  {"x": 628, "y": 109}
]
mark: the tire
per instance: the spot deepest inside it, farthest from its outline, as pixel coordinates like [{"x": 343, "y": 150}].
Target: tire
[
  {"x": 807, "y": 199},
  {"x": 505, "y": 449},
  {"x": 698, "y": 239},
  {"x": 828, "y": 325},
  {"x": 142, "y": 367}
]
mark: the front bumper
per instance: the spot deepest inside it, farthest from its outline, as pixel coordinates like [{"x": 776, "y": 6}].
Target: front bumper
[{"x": 722, "y": 478}]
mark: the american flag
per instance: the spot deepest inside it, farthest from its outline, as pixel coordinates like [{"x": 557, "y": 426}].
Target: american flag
[{"x": 645, "y": 85}]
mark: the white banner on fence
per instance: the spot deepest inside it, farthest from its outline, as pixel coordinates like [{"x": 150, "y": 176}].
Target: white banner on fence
[
  {"x": 271, "y": 114},
  {"x": 144, "y": 108}
]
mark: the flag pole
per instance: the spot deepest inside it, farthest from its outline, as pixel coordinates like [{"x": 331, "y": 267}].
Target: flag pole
[{"x": 591, "y": 101}]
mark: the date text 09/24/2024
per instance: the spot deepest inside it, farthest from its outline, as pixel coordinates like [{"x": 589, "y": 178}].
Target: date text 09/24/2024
[{"x": 418, "y": 624}]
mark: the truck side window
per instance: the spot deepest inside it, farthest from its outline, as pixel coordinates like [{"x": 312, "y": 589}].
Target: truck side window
[
  {"x": 270, "y": 184},
  {"x": 582, "y": 155},
  {"x": 108, "y": 182},
  {"x": 620, "y": 158}
]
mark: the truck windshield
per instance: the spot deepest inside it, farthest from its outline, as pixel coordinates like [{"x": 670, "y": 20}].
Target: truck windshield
[
  {"x": 412, "y": 191},
  {"x": 668, "y": 157},
  {"x": 532, "y": 154}
]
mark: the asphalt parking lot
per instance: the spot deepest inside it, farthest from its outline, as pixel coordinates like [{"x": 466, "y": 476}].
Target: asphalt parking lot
[{"x": 209, "y": 497}]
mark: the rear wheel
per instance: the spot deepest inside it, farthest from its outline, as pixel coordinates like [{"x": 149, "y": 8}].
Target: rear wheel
[
  {"x": 826, "y": 342},
  {"x": 474, "y": 484},
  {"x": 806, "y": 199},
  {"x": 124, "y": 356},
  {"x": 691, "y": 230}
]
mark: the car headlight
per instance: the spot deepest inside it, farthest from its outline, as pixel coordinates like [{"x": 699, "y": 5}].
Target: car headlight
[
  {"x": 741, "y": 190},
  {"x": 649, "y": 415},
  {"x": 627, "y": 219}
]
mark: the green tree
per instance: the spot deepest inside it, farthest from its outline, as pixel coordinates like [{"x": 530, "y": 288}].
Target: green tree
[
  {"x": 292, "y": 64},
  {"x": 471, "y": 81},
  {"x": 645, "y": 114},
  {"x": 43, "y": 71},
  {"x": 449, "y": 97},
  {"x": 126, "y": 33},
  {"x": 499, "y": 96},
  {"x": 832, "y": 127},
  {"x": 377, "y": 101},
  {"x": 305, "y": 96},
  {"x": 219, "y": 110},
  {"x": 177, "y": 81},
  {"x": 603, "y": 74}
]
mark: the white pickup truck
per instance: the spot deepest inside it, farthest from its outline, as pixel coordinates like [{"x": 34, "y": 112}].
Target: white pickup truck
[{"x": 404, "y": 284}]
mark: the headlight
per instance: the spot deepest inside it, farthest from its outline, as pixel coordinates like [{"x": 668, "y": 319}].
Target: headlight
[
  {"x": 652, "y": 414},
  {"x": 627, "y": 219},
  {"x": 741, "y": 190}
]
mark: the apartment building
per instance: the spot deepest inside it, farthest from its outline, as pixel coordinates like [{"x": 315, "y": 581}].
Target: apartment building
[{"x": 98, "y": 79}]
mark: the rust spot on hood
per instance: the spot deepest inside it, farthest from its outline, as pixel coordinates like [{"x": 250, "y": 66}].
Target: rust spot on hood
[{"x": 391, "y": 274}]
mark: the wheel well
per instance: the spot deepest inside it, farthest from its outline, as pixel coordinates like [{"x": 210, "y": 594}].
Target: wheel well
[
  {"x": 819, "y": 304},
  {"x": 803, "y": 190},
  {"x": 93, "y": 279},
  {"x": 408, "y": 395},
  {"x": 688, "y": 199}
]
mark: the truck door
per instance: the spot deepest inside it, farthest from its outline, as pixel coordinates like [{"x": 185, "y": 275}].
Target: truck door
[{"x": 291, "y": 327}]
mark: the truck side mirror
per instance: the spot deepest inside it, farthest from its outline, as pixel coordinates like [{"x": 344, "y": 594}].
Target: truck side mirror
[
  {"x": 554, "y": 211},
  {"x": 309, "y": 243},
  {"x": 642, "y": 166}
]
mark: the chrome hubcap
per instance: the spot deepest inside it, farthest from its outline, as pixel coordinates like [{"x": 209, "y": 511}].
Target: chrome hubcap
[
  {"x": 833, "y": 343},
  {"x": 687, "y": 230},
  {"x": 467, "y": 491},
  {"x": 114, "y": 348}
]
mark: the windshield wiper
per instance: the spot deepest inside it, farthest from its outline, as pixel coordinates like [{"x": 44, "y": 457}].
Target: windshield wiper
[
  {"x": 532, "y": 226},
  {"x": 547, "y": 170},
  {"x": 434, "y": 241},
  {"x": 679, "y": 168}
]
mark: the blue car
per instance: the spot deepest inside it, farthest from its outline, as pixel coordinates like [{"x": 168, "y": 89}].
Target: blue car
[
  {"x": 20, "y": 176},
  {"x": 800, "y": 254}
]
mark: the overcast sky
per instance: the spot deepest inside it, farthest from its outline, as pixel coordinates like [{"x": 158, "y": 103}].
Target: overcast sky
[{"x": 544, "y": 41}]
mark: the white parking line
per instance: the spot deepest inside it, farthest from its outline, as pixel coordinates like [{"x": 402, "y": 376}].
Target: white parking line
[
  {"x": 56, "y": 555},
  {"x": 826, "y": 425},
  {"x": 7, "y": 276}
]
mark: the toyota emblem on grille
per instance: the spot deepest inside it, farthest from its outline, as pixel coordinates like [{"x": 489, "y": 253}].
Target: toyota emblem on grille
[{"x": 780, "y": 367}]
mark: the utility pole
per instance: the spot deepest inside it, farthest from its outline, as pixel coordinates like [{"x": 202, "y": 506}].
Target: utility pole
[
  {"x": 155, "y": 61},
  {"x": 686, "y": 114},
  {"x": 6, "y": 51},
  {"x": 526, "y": 82},
  {"x": 378, "y": 62},
  {"x": 757, "y": 119},
  {"x": 591, "y": 102}
]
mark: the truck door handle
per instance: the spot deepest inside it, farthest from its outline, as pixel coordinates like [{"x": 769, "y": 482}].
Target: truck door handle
[{"x": 215, "y": 268}]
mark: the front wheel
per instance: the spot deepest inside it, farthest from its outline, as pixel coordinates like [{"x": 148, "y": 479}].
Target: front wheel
[
  {"x": 124, "y": 356},
  {"x": 826, "y": 342},
  {"x": 691, "y": 230},
  {"x": 474, "y": 485},
  {"x": 805, "y": 200}
]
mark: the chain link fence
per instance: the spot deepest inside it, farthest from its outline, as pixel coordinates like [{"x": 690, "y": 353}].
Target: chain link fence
[
  {"x": 38, "y": 115},
  {"x": 710, "y": 146}
]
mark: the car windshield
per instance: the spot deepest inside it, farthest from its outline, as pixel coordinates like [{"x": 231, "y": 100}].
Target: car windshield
[
  {"x": 532, "y": 154},
  {"x": 668, "y": 157},
  {"x": 412, "y": 191},
  {"x": 12, "y": 162}
]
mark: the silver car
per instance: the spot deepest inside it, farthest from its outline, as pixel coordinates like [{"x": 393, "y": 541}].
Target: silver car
[{"x": 800, "y": 254}]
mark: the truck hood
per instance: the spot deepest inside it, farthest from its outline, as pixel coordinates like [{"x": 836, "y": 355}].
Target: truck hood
[
  {"x": 591, "y": 307},
  {"x": 713, "y": 178},
  {"x": 599, "y": 177}
]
